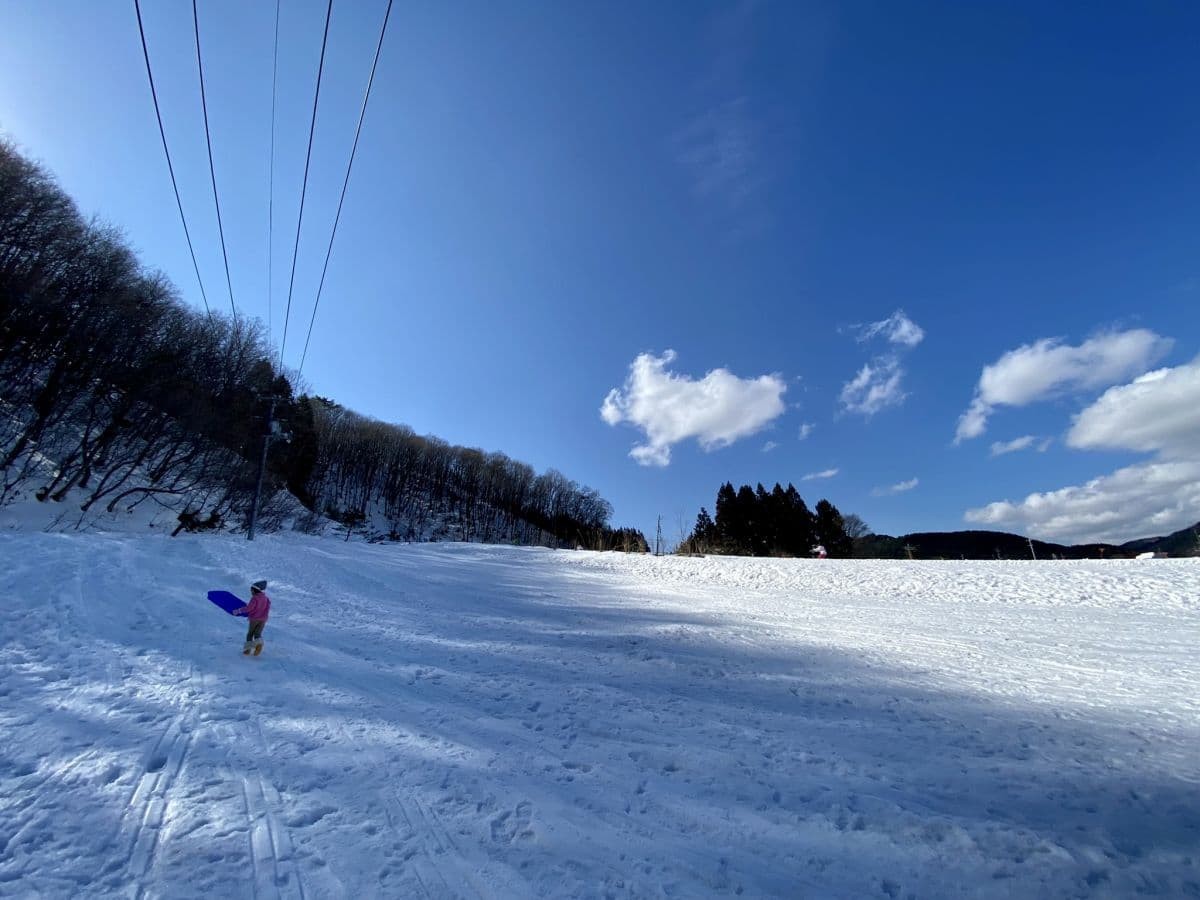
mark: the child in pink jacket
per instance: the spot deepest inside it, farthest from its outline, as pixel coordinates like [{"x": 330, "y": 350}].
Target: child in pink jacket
[{"x": 257, "y": 610}]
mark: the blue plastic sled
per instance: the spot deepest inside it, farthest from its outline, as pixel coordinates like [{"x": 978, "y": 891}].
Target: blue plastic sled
[{"x": 227, "y": 601}]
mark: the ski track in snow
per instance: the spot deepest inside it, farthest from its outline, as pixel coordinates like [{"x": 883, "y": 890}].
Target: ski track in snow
[{"x": 459, "y": 721}]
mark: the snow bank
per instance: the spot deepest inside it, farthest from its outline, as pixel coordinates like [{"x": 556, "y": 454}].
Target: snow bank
[{"x": 457, "y": 720}]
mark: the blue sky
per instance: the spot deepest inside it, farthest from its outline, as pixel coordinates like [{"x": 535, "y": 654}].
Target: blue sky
[{"x": 576, "y": 229}]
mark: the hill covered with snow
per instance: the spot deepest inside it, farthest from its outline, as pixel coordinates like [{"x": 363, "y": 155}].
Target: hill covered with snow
[{"x": 469, "y": 721}]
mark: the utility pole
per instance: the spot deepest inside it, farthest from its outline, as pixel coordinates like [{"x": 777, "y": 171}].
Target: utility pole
[
  {"x": 262, "y": 467},
  {"x": 1032, "y": 552},
  {"x": 658, "y": 539}
]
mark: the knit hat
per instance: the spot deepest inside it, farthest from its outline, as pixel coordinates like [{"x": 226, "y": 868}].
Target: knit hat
[{"x": 259, "y": 585}]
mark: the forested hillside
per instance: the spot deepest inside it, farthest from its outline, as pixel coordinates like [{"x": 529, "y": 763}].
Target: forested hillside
[
  {"x": 114, "y": 393},
  {"x": 1002, "y": 545}
]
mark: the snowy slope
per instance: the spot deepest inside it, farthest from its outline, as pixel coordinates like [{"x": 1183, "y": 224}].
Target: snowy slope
[{"x": 466, "y": 721}]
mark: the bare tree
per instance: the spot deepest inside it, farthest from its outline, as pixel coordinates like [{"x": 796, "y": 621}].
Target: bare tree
[
  {"x": 855, "y": 526},
  {"x": 111, "y": 389}
]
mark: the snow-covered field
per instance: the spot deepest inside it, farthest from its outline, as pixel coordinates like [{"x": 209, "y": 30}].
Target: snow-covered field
[{"x": 467, "y": 721}]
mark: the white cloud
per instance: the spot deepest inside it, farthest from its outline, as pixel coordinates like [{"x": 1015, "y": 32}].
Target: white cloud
[
  {"x": 973, "y": 422},
  {"x": 999, "y": 448},
  {"x": 769, "y": 446},
  {"x": 806, "y": 429},
  {"x": 1048, "y": 367},
  {"x": 898, "y": 328},
  {"x": 877, "y": 384},
  {"x": 825, "y": 473},
  {"x": 1158, "y": 412},
  {"x": 875, "y": 387},
  {"x": 898, "y": 488},
  {"x": 1142, "y": 500},
  {"x": 717, "y": 410}
]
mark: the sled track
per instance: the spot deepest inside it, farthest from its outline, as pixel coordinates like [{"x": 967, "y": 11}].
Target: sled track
[
  {"x": 146, "y": 810},
  {"x": 428, "y": 853},
  {"x": 394, "y": 813},
  {"x": 429, "y": 856},
  {"x": 272, "y": 857},
  {"x": 272, "y": 853},
  {"x": 432, "y": 840}
]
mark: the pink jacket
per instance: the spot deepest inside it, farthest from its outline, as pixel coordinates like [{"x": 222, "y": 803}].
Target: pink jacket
[{"x": 258, "y": 608}]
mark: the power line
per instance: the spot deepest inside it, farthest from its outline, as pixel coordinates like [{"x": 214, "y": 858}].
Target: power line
[
  {"x": 353, "y": 150},
  {"x": 170, "y": 168},
  {"x": 211, "y": 170},
  {"x": 271, "y": 180},
  {"x": 304, "y": 187}
]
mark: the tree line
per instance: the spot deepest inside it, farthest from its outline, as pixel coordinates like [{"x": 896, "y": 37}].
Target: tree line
[
  {"x": 756, "y": 522},
  {"x": 417, "y": 487},
  {"x": 115, "y": 393}
]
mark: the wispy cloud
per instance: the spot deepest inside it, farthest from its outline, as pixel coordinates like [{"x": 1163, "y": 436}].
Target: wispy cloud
[
  {"x": 720, "y": 146},
  {"x": 897, "y": 328},
  {"x": 719, "y": 149},
  {"x": 806, "y": 429},
  {"x": 717, "y": 410},
  {"x": 825, "y": 473},
  {"x": 1049, "y": 367},
  {"x": 878, "y": 383},
  {"x": 769, "y": 446},
  {"x": 898, "y": 488},
  {"x": 999, "y": 448},
  {"x": 875, "y": 387}
]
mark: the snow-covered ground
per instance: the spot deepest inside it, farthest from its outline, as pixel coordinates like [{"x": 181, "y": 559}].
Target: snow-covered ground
[{"x": 467, "y": 721}]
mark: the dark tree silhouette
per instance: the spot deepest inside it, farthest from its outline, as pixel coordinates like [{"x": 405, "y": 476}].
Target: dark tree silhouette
[
  {"x": 753, "y": 521},
  {"x": 831, "y": 531}
]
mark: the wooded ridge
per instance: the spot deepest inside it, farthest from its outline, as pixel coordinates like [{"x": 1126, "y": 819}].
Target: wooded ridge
[{"x": 114, "y": 393}]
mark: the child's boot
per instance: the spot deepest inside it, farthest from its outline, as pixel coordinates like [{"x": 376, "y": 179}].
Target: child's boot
[{"x": 258, "y": 648}]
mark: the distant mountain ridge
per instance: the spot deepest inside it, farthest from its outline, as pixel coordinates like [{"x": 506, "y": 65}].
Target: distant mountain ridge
[{"x": 1004, "y": 545}]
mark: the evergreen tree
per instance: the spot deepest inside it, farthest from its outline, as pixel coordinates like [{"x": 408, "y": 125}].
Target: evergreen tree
[
  {"x": 726, "y": 516},
  {"x": 755, "y": 522},
  {"x": 800, "y": 532},
  {"x": 745, "y": 509},
  {"x": 704, "y": 534},
  {"x": 776, "y": 517},
  {"x": 627, "y": 540},
  {"x": 831, "y": 530},
  {"x": 761, "y": 538},
  {"x": 295, "y": 457}
]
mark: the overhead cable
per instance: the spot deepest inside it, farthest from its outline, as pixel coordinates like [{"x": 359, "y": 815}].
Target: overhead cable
[
  {"x": 271, "y": 181},
  {"x": 304, "y": 187},
  {"x": 170, "y": 168},
  {"x": 212, "y": 171},
  {"x": 353, "y": 150}
]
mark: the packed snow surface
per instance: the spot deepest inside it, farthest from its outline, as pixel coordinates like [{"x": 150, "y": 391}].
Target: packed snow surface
[{"x": 468, "y": 721}]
